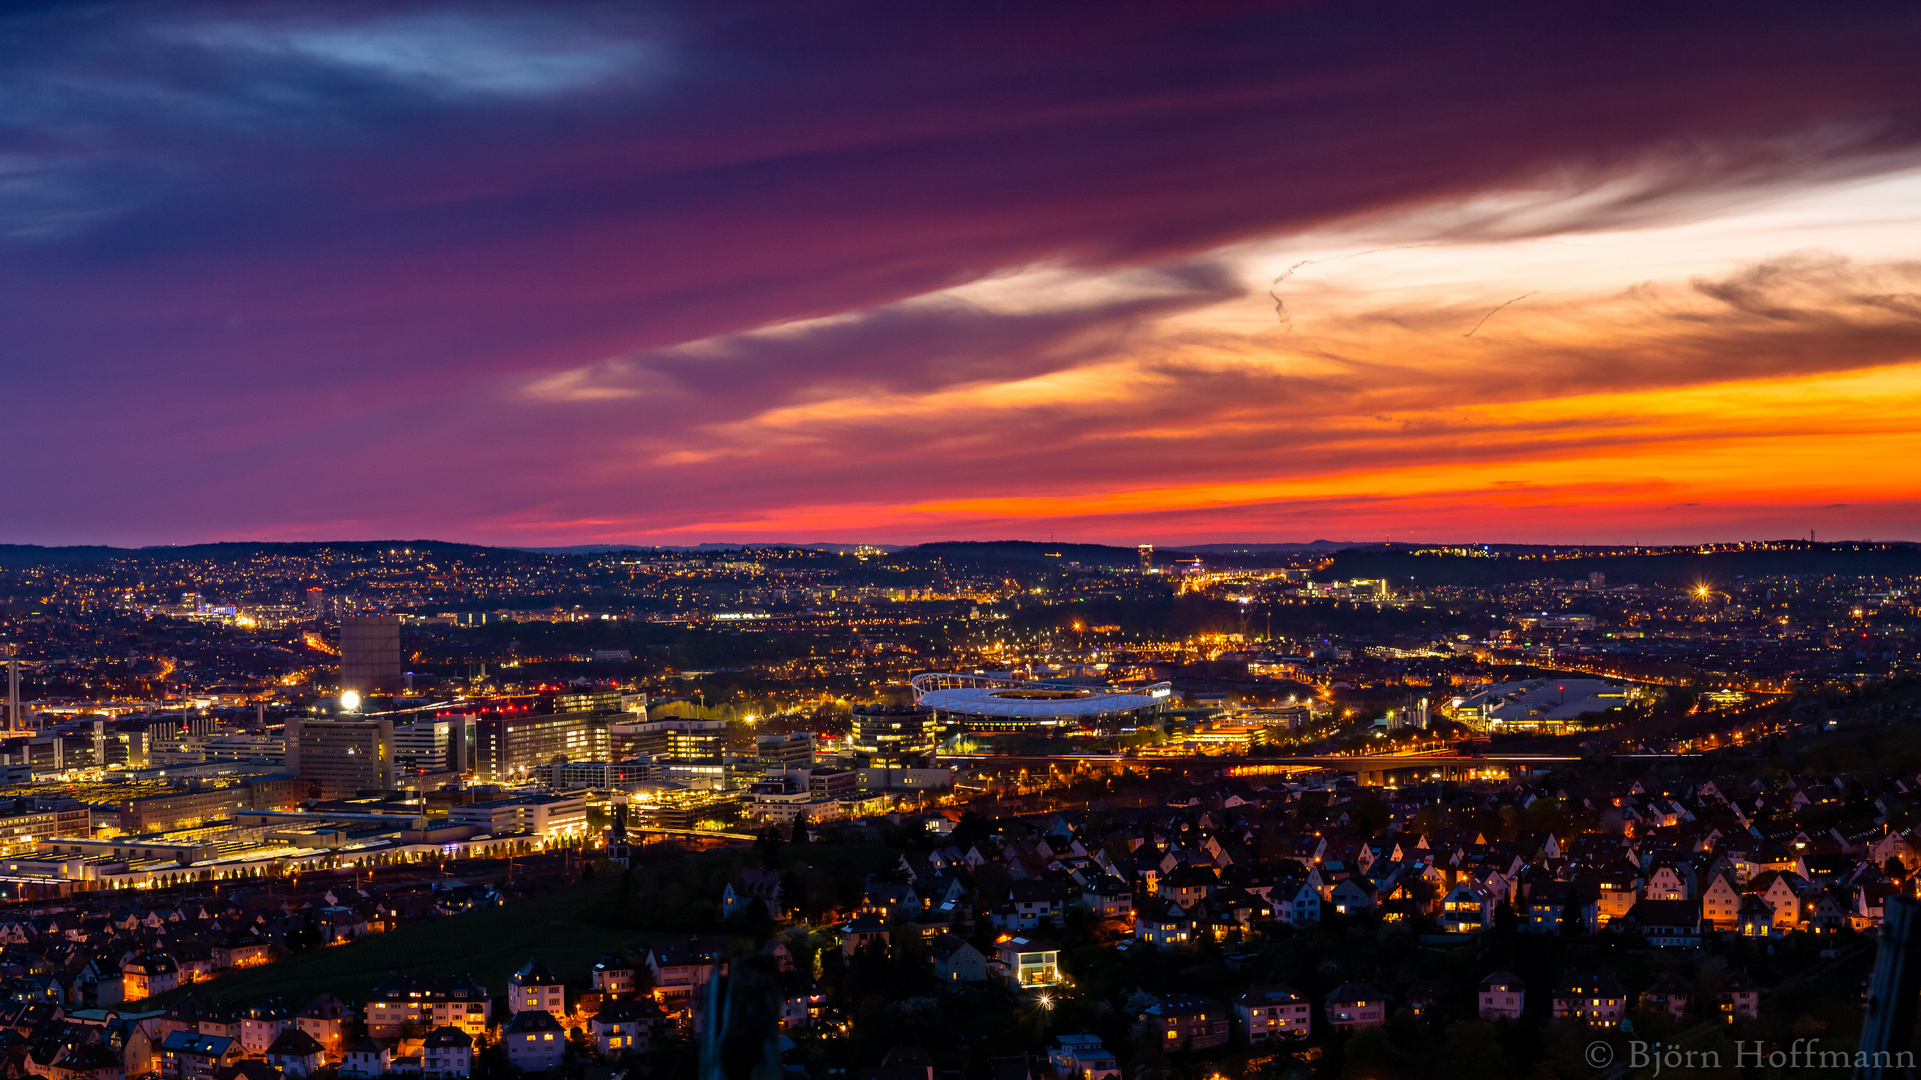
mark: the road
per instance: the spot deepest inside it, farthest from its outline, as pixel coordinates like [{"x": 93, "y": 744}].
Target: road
[{"x": 1338, "y": 762}]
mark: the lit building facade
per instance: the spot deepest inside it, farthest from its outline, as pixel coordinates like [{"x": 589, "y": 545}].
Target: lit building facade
[{"x": 342, "y": 757}]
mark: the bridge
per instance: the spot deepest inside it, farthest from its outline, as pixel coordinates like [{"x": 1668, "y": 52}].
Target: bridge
[{"x": 635, "y": 830}]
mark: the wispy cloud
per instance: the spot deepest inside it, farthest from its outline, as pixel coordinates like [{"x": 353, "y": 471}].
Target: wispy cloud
[
  {"x": 603, "y": 270},
  {"x": 506, "y": 52}
]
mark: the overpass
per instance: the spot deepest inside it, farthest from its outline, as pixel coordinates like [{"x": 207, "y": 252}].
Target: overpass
[{"x": 633, "y": 830}]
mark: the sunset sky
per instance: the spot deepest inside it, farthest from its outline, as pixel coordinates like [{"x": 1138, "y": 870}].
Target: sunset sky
[{"x": 671, "y": 273}]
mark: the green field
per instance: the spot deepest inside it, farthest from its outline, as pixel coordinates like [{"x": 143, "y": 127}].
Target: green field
[{"x": 563, "y": 930}]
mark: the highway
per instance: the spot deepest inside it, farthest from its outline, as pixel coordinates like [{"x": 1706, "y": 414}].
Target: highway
[{"x": 1338, "y": 762}]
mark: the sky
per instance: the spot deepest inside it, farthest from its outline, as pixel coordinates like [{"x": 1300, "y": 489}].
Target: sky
[{"x": 674, "y": 273}]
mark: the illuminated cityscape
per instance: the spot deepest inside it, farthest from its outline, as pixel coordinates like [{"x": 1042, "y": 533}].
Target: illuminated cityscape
[{"x": 1328, "y": 783}]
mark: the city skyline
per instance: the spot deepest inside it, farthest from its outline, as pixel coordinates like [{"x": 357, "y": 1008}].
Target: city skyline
[{"x": 584, "y": 275}]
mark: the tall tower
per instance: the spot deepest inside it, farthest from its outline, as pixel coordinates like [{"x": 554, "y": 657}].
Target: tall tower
[
  {"x": 370, "y": 654},
  {"x": 13, "y": 688},
  {"x": 1147, "y": 558}
]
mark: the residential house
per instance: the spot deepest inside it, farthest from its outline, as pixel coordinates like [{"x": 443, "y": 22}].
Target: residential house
[
  {"x": 955, "y": 960},
  {"x": 912, "y": 1063},
  {"x": 1782, "y": 890},
  {"x": 1668, "y": 880},
  {"x": 801, "y": 999},
  {"x": 263, "y": 1024},
  {"x": 1739, "y": 998},
  {"x": 862, "y": 931},
  {"x": 447, "y": 1054},
  {"x": 325, "y": 1018},
  {"x": 1757, "y": 917},
  {"x": 1028, "y": 962},
  {"x": 1298, "y": 904},
  {"x": 1617, "y": 888},
  {"x": 749, "y": 886},
  {"x": 1187, "y": 1022},
  {"x": 1669, "y": 994},
  {"x": 86, "y": 1061},
  {"x": 535, "y": 987},
  {"x": 1159, "y": 921},
  {"x": 624, "y": 1027},
  {"x": 1827, "y": 913},
  {"x": 1468, "y": 907},
  {"x": 1721, "y": 903},
  {"x": 1594, "y": 998},
  {"x": 614, "y": 976},
  {"x": 679, "y": 970},
  {"x": 401, "y": 1002},
  {"x": 189, "y": 1055},
  {"x": 1354, "y": 1005},
  {"x": 296, "y": 1053},
  {"x": 1502, "y": 996},
  {"x": 1108, "y": 897},
  {"x": 535, "y": 1040},
  {"x": 1551, "y": 906},
  {"x": 1082, "y": 1057},
  {"x": 1273, "y": 1012},
  {"x": 1352, "y": 896},
  {"x": 1187, "y": 885},
  {"x": 1666, "y": 924},
  {"x": 367, "y": 1058},
  {"x": 1036, "y": 902},
  {"x": 147, "y": 974}
]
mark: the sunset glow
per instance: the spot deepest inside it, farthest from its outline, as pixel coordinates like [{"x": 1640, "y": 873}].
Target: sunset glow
[{"x": 593, "y": 279}]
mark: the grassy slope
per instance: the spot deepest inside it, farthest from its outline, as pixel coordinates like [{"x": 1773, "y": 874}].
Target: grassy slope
[{"x": 564, "y": 930}]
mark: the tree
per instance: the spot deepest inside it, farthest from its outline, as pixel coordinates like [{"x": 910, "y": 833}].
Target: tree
[
  {"x": 1474, "y": 1050},
  {"x": 971, "y": 829},
  {"x": 769, "y": 847},
  {"x": 1505, "y": 920},
  {"x": 1370, "y": 814},
  {"x": 1370, "y": 1053},
  {"x": 800, "y": 830},
  {"x": 1573, "y": 924}
]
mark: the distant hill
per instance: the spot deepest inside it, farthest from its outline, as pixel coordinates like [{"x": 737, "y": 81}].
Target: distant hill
[
  {"x": 1030, "y": 551},
  {"x": 1398, "y": 563},
  {"x": 1677, "y": 569},
  {"x": 1267, "y": 549},
  {"x": 602, "y": 549},
  {"x": 232, "y": 551}
]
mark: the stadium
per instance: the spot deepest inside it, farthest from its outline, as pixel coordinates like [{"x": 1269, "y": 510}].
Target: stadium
[{"x": 991, "y": 703}]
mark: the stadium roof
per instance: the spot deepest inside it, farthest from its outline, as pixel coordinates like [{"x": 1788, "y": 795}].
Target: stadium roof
[{"x": 1038, "y": 702}]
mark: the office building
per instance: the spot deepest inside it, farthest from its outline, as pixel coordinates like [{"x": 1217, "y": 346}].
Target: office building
[
  {"x": 547, "y": 816},
  {"x": 594, "y": 701},
  {"x": 339, "y": 758},
  {"x": 833, "y": 783},
  {"x": 570, "y": 775},
  {"x": 675, "y": 737},
  {"x": 506, "y": 748},
  {"x": 424, "y": 744},
  {"x": 893, "y": 730},
  {"x": 777, "y": 753},
  {"x": 370, "y": 654}
]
